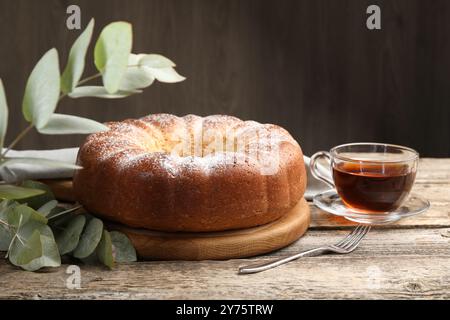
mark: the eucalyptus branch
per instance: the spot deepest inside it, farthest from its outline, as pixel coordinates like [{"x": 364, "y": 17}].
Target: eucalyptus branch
[
  {"x": 30, "y": 126},
  {"x": 46, "y": 87},
  {"x": 62, "y": 96},
  {"x": 17, "y": 139}
]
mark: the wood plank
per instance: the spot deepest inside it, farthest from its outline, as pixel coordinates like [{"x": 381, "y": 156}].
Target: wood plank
[
  {"x": 433, "y": 170},
  {"x": 380, "y": 242},
  {"x": 404, "y": 264}
]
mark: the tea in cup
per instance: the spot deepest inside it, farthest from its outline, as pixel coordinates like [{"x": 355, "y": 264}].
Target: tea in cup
[{"x": 369, "y": 177}]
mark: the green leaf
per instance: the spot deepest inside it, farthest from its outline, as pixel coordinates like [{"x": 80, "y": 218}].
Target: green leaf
[
  {"x": 123, "y": 250},
  {"x": 68, "y": 236},
  {"x": 75, "y": 65},
  {"x": 111, "y": 53},
  {"x": 15, "y": 192},
  {"x": 156, "y": 61},
  {"x": 5, "y": 238},
  {"x": 37, "y": 201},
  {"x": 26, "y": 243},
  {"x": 143, "y": 69},
  {"x": 3, "y": 115},
  {"x": 47, "y": 208},
  {"x": 105, "y": 250},
  {"x": 160, "y": 67},
  {"x": 21, "y": 214},
  {"x": 42, "y": 90},
  {"x": 50, "y": 255},
  {"x": 5, "y": 230},
  {"x": 89, "y": 239},
  {"x": 100, "y": 92},
  {"x": 39, "y": 162},
  {"x": 6, "y": 204},
  {"x": 168, "y": 75},
  {"x": 26, "y": 248},
  {"x": 67, "y": 124},
  {"x": 136, "y": 76}
]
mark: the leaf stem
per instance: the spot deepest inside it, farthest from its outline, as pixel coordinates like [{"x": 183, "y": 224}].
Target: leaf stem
[
  {"x": 17, "y": 139},
  {"x": 95, "y": 76},
  {"x": 4, "y": 223},
  {"x": 65, "y": 212}
]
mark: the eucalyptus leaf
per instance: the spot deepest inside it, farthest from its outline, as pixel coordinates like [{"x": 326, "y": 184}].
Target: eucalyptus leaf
[
  {"x": 68, "y": 235},
  {"x": 3, "y": 115},
  {"x": 21, "y": 214},
  {"x": 42, "y": 90},
  {"x": 5, "y": 230},
  {"x": 15, "y": 192},
  {"x": 105, "y": 250},
  {"x": 39, "y": 162},
  {"x": 123, "y": 250},
  {"x": 100, "y": 92},
  {"x": 5, "y": 238},
  {"x": 50, "y": 255},
  {"x": 47, "y": 208},
  {"x": 136, "y": 76},
  {"x": 111, "y": 53},
  {"x": 28, "y": 251},
  {"x": 67, "y": 124},
  {"x": 160, "y": 67},
  {"x": 25, "y": 249},
  {"x": 89, "y": 239},
  {"x": 6, "y": 204},
  {"x": 76, "y": 62},
  {"x": 155, "y": 61},
  {"x": 168, "y": 75},
  {"x": 38, "y": 201}
]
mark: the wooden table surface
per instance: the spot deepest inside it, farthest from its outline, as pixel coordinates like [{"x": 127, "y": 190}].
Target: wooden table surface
[{"x": 408, "y": 259}]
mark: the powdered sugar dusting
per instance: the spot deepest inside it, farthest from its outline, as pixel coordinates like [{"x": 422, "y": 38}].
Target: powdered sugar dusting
[{"x": 152, "y": 142}]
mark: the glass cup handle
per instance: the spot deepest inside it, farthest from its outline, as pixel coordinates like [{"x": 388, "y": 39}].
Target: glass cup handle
[{"x": 315, "y": 170}]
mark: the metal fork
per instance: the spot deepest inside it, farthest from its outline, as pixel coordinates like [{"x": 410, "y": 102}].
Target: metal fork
[{"x": 346, "y": 245}]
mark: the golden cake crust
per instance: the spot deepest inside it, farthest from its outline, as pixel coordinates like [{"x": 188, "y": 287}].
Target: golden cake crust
[{"x": 191, "y": 173}]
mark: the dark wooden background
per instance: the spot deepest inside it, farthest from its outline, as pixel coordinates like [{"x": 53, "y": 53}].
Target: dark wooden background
[{"x": 311, "y": 66}]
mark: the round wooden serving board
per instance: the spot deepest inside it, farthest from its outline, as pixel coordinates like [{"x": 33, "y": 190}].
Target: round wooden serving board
[{"x": 154, "y": 245}]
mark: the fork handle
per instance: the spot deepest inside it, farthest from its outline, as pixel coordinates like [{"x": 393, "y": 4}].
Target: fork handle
[{"x": 269, "y": 265}]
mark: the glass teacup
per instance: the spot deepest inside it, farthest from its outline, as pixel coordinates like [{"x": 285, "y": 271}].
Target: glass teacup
[{"x": 369, "y": 177}]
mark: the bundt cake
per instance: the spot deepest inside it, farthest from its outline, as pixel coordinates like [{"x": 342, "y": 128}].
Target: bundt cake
[{"x": 191, "y": 173}]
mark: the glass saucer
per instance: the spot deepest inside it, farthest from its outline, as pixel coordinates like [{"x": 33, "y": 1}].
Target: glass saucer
[{"x": 330, "y": 202}]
